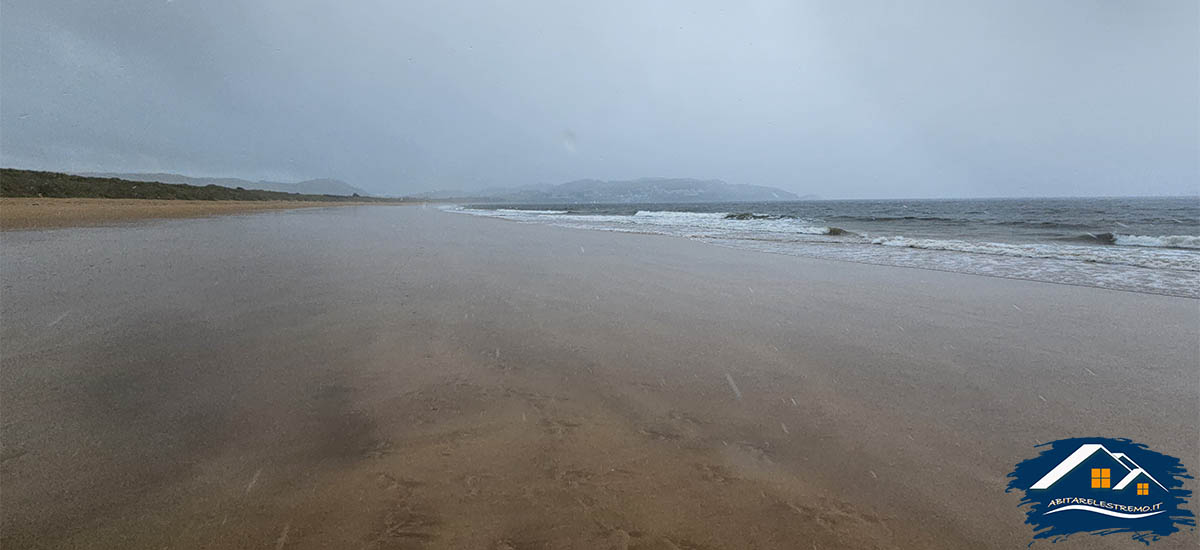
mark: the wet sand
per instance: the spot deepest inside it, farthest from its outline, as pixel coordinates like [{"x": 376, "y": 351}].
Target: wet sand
[
  {"x": 374, "y": 377},
  {"x": 42, "y": 213}
]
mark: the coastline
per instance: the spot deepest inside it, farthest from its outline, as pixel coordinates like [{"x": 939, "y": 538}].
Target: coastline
[
  {"x": 408, "y": 377},
  {"x": 1168, "y": 264},
  {"x": 17, "y": 213}
]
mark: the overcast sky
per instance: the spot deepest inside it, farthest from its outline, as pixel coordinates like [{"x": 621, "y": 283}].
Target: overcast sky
[{"x": 841, "y": 99}]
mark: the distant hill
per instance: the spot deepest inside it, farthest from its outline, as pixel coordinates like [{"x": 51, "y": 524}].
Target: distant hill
[
  {"x": 310, "y": 187},
  {"x": 29, "y": 183},
  {"x": 645, "y": 190}
]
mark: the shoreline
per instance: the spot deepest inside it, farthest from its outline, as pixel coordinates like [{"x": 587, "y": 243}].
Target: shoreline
[
  {"x": 1148, "y": 292},
  {"x": 24, "y": 213},
  {"x": 476, "y": 384},
  {"x": 1160, "y": 269}
]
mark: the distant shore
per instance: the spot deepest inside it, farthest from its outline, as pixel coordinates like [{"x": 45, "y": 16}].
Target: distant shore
[
  {"x": 48, "y": 213},
  {"x": 39, "y": 200},
  {"x": 31, "y": 183}
]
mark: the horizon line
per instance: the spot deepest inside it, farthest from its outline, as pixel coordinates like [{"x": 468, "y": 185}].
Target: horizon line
[{"x": 820, "y": 199}]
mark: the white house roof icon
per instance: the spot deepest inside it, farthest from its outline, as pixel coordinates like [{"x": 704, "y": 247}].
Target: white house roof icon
[{"x": 1083, "y": 453}]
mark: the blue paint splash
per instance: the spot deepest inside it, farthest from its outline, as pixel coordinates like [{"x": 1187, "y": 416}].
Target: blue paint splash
[{"x": 1167, "y": 470}]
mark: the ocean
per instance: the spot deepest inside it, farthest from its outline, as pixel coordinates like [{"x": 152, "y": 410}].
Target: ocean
[{"x": 1147, "y": 245}]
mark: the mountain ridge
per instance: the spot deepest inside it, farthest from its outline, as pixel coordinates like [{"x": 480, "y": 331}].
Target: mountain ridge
[{"x": 641, "y": 190}]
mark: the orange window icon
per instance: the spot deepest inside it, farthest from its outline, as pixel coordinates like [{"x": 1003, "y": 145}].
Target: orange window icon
[
  {"x": 1143, "y": 488},
  {"x": 1101, "y": 479}
]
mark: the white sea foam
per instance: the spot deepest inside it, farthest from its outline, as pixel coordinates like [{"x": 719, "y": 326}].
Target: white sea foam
[
  {"x": 689, "y": 224},
  {"x": 531, "y": 212},
  {"x": 1175, "y": 282},
  {"x": 670, "y": 215},
  {"x": 1164, "y": 241},
  {"x": 1156, "y": 259},
  {"x": 1165, "y": 264},
  {"x": 722, "y": 222}
]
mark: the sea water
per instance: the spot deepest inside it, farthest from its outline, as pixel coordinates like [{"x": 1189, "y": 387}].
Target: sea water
[{"x": 1135, "y": 244}]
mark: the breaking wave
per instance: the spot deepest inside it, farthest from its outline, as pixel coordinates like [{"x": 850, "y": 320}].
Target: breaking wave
[
  {"x": 669, "y": 214},
  {"x": 1096, "y": 254},
  {"x": 753, "y": 216},
  {"x": 732, "y": 221},
  {"x": 1165, "y": 264},
  {"x": 534, "y": 212},
  {"x": 1164, "y": 241}
]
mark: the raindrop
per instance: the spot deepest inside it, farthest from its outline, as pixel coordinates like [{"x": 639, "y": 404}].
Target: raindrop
[{"x": 733, "y": 386}]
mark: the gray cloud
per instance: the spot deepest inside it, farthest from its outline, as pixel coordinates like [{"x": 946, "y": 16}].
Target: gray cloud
[{"x": 843, "y": 99}]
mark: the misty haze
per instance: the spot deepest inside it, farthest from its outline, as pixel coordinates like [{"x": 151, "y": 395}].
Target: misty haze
[{"x": 620, "y": 275}]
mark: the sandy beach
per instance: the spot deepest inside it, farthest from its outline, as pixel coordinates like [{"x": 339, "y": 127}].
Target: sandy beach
[
  {"x": 376, "y": 377},
  {"x": 43, "y": 213}
]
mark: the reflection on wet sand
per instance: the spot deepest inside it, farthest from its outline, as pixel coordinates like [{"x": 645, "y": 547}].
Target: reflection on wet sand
[{"x": 375, "y": 377}]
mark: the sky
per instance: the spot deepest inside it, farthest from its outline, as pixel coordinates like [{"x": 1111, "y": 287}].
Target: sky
[{"x": 839, "y": 99}]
